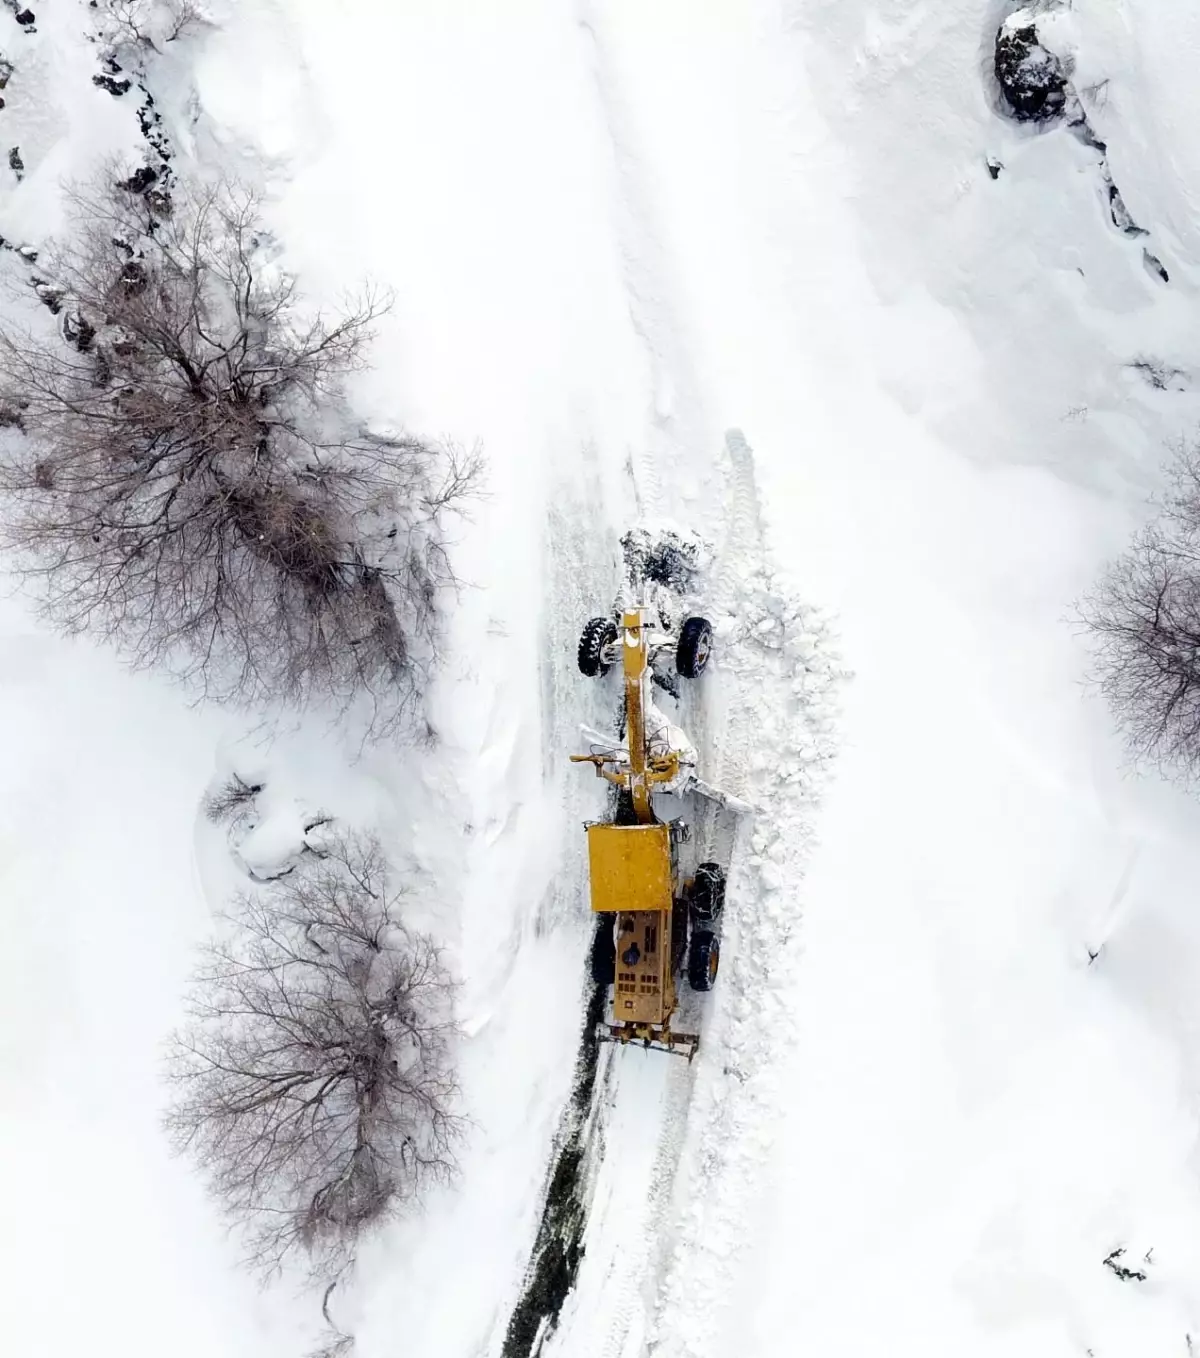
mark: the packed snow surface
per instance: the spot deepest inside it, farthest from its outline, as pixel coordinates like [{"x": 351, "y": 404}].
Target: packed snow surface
[{"x": 950, "y": 1067}]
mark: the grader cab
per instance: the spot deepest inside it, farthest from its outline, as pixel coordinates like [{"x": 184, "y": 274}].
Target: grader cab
[{"x": 659, "y": 911}]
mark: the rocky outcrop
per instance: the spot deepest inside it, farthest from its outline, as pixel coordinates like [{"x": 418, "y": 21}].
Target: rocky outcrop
[
  {"x": 1034, "y": 82},
  {"x": 1035, "y": 88}
]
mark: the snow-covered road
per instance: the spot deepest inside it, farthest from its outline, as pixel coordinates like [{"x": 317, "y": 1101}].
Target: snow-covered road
[{"x": 924, "y": 1113}]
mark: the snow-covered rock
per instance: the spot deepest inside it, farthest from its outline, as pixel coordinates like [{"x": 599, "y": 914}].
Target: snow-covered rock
[{"x": 1033, "y": 81}]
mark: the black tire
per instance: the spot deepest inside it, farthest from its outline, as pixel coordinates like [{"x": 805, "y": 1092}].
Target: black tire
[
  {"x": 695, "y": 648},
  {"x": 704, "y": 955},
  {"x": 604, "y": 951},
  {"x": 599, "y": 633},
  {"x": 679, "y": 935},
  {"x": 708, "y": 894}
]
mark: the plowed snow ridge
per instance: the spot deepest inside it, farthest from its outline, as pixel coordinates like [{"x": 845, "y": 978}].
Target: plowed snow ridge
[{"x": 680, "y": 1143}]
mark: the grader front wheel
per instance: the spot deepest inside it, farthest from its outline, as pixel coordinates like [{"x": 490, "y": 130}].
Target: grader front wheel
[
  {"x": 598, "y": 635},
  {"x": 695, "y": 648}
]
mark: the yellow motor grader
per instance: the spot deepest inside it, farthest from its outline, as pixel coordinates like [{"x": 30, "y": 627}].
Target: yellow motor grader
[{"x": 659, "y": 912}]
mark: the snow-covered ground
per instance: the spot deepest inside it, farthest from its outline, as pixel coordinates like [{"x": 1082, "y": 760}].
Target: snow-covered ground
[{"x": 950, "y": 1065}]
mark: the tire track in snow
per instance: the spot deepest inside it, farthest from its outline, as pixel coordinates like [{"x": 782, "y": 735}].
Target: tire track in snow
[
  {"x": 641, "y": 1133},
  {"x": 628, "y": 1242},
  {"x": 558, "y": 1247},
  {"x": 741, "y": 544},
  {"x": 674, "y": 467},
  {"x": 582, "y": 575},
  {"x": 642, "y": 1251},
  {"x": 643, "y": 1128},
  {"x": 779, "y": 676},
  {"x": 608, "y": 1312},
  {"x": 674, "y": 1149},
  {"x": 580, "y": 571}
]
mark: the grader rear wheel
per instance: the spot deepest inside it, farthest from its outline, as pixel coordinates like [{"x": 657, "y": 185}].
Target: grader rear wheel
[
  {"x": 708, "y": 893},
  {"x": 604, "y": 952},
  {"x": 704, "y": 956},
  {"x": 679, "y": 934}
]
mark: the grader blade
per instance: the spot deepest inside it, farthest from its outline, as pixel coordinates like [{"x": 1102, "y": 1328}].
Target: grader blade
[
  {"x": 636, "y": 1035},
  {"x": 723, "y": 799}
]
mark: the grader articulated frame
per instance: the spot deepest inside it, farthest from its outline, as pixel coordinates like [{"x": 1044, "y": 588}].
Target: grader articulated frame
[{"x": 634, "y": 859}]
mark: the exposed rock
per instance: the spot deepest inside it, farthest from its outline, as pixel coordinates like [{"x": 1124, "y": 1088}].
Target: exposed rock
[
  {"x": 994, "y": 166},
  {"x": 1120, "y": 214},
  {"x": 1032, "y": 79},
  {"x": 1126, "y": 1274},
  {"x": 108, "y": 81},
  {"x": 49, "y": 295},
  {"x": 1160, "y": 375},
  {"x": 115, "y": 87},
  {"x": 1155, "y": 266},
  {"x": 15, "y": 163},
  {"x": 6, "y": 70},
  {"x": 25, "y": 17},
  {"x": 79, "y": 331},
  {"x": 150, "y": 122},
  {"x": 140, "y": 180},
  {"x": 1084, "y": 131},
  {"x": 133, "y": 276}
]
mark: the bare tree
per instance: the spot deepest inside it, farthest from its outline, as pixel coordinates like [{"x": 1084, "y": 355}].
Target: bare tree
[
  {"x": 187, "y": 484},
  {"x": 147, "y": 23},
  {"x": 314, "y": 1081},
  {"x": 1144, "y": 616},
  {"x": 335, "y": 1343}
]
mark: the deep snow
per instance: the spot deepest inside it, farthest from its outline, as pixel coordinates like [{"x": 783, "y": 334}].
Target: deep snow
[{"x": 614, "y": 232}]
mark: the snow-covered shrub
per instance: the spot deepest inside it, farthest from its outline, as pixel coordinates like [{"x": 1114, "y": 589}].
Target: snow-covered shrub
[
  {"x": 314, "y": 1081},
  {"x": 1032, "y": 79},
  {"x": 1144, "y": 617},
  {"x": 189, "y": 485}
]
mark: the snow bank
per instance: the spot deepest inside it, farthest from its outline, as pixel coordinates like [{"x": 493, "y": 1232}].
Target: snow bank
[{"x": 612, "y": 234}]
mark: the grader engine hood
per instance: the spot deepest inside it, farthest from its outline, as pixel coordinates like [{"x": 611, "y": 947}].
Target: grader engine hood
[{"x": 630, "y": 867}]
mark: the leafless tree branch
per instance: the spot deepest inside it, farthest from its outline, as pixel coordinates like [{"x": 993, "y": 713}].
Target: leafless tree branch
[
  {"x": 150, "y": 23},
  {"x": 1144, "y": 617},
  {"x": 230, "y": 797},
  {"x": 181, "y": 480},
  {"x": 313, "y": 1082}
]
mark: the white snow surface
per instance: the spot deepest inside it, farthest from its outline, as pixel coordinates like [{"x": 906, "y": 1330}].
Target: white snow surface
[{"x": 951, "y": 1063}]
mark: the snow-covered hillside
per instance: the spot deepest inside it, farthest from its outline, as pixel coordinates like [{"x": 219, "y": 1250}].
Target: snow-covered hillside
[{"x": 950, "y": 1067}]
